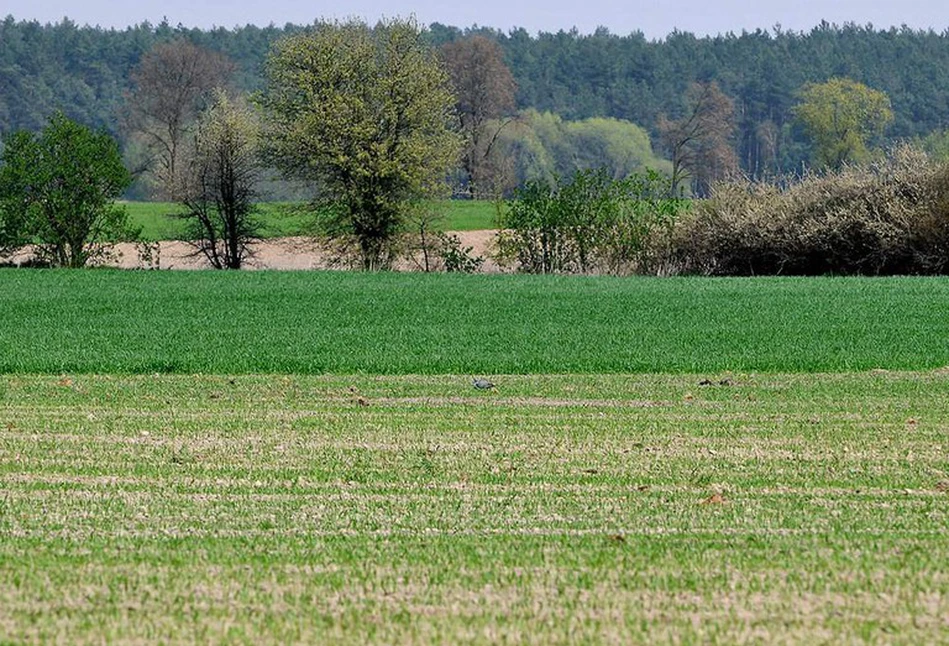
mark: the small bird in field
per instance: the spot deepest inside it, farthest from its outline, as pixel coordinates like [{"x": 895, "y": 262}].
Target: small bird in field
[{"x": 482, "y": 384}]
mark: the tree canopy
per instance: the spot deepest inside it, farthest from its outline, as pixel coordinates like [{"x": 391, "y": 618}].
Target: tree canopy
[
  {"x": 85, "y": 72},
  {"x": 367, "y": 114},
  {"x": 542, "y": 146},
  {"x": 58, "y": 189},
  {"x": 843, "y": 118}
]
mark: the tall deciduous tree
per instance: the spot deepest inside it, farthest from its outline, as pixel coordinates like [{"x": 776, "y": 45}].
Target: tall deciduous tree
[
  {"x": 485, "y": 89},
  {"x": 217, "y": 184},
  {"x": 58, "y": 189},
  {"x": 700, "y": 142},
  {"x": 368, "y": 115},
  {"x": 843, "y": 119},
  {"x": 171, "y": 85}
]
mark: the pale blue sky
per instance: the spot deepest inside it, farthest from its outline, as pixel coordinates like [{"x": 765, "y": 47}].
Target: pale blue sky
[{"x": 654, "y": 18}]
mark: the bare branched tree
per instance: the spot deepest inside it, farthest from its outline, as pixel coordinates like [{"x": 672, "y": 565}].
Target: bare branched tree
[
  {"x": 171, "y": 85},
  {"x": 217, "y": 181},
  {"x": 700, "y": 143},
  {"x": 484, "y": 88}
]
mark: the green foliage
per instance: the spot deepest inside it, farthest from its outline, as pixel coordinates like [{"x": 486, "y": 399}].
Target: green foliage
[
  {"x": 15, "y": 167},
  {"x": 843, "y": 118},
  {"x": 936, "y": 144},
  {"x": 457, "y": 258},
  {"x": 592, "y": 223},
  {"x": 415, "y": 323},
  {"x": 620, "y": 146},
  {"x": 57, "y": 189},
  {"x": 368, "y": 114},
  {"x": 542, "y": 146},
  {"x": 891, "y": 217}
]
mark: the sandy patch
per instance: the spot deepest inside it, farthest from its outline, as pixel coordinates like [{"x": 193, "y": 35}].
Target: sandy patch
[{"x": 275, "y": 253}]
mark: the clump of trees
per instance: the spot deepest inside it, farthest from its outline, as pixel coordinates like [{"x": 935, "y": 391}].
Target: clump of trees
[
  {"x": 57, "y": 191},
  {"x": 484, "y": 90},
  {"x": 543, "y": 146},
  {"x": 199, "y": 146},
  {"x": 171, "y": 85},
  {"x": 700, "y": 142},
  {"x": 844, "y": 119},
  {"x": 367, "y": 116}
]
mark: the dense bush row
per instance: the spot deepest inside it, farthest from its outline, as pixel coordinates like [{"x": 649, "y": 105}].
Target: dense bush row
[
  {"x": 885, "y": 218},
  {"x": 590, "y": 224},
  {"x": 890, "y": 217}
]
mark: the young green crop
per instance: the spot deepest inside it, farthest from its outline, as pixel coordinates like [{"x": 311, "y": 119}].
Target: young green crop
[
  {"x": 553, "y": 509},
  {"x": 109, "y": 321}
]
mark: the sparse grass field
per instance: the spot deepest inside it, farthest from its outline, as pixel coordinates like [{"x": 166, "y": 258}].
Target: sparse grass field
[
  {"x": 281, "y": 219},
  {"x": 406, "y": 509},
  {"x": 778, "y": 472}
]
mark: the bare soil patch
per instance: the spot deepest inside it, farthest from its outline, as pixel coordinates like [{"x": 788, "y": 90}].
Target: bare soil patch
[{"x": 273, "y": 253}]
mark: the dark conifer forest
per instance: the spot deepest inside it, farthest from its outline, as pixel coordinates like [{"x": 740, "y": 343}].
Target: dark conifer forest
[{"x": 85, "y": 71}]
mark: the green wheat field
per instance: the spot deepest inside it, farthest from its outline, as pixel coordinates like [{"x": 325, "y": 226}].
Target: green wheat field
[{"x": 272, "y": 457}]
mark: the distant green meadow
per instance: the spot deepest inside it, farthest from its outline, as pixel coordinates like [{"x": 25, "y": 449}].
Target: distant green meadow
[
  {"x": 162, "y": 221},
  {"x": 113, "y": 321}
]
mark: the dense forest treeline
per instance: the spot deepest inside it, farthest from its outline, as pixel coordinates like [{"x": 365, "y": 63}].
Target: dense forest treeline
[{"x": 85, "y": 71}]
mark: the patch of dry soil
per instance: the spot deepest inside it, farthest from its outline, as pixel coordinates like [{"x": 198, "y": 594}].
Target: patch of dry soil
[{"x": 274, "y": 253}]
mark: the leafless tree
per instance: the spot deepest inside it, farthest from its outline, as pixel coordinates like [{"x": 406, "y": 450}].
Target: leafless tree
[
  {"x": 171, "y": 84},
  {"x": 484, "y": 88},
  {"x": 700, "y": 143},
  {"x": 217, "y": 181}
]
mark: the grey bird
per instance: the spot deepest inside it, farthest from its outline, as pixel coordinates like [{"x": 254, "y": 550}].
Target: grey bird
[{"x": 482, "y": 384}]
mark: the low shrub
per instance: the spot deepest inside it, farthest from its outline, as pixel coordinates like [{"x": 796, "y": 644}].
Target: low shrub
[{"x": 590, "y": 224}]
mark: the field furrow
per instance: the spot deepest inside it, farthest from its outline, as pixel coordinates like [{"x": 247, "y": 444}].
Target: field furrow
[{"x": 554, "y": 509}]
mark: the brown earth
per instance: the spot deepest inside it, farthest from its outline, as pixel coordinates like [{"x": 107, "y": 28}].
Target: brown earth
[{"x": 274, "y": 253}]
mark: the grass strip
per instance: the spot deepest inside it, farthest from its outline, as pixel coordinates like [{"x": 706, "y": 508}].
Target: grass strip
[{"x": 159, "y": 221}]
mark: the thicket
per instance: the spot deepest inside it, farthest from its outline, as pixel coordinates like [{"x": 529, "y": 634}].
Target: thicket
[
  {"x": 884, "y": 218},
  {"x": 591, "y": 223},
  {"x": 888, "y": 217}
]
